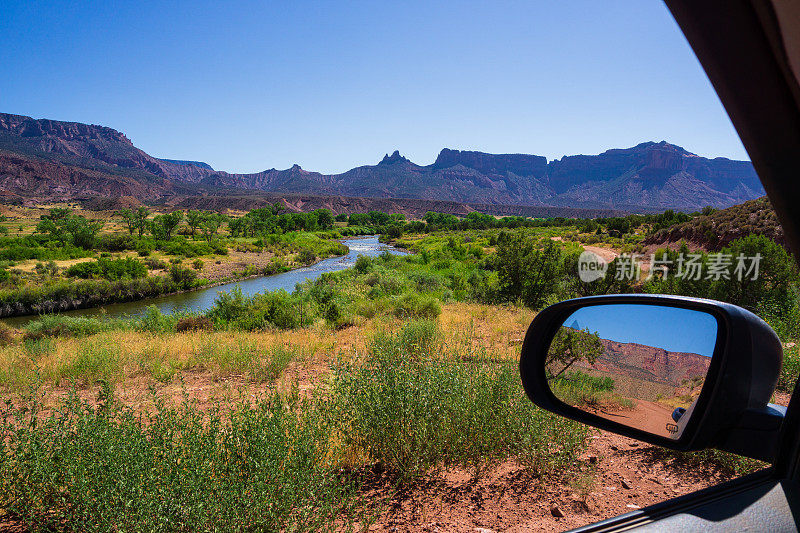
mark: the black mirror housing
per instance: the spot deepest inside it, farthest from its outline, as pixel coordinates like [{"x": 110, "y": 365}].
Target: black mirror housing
[{"x": 732, "y": 411}]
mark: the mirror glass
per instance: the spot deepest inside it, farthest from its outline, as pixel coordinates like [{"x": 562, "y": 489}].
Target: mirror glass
[{"x": 639, "y": 365}]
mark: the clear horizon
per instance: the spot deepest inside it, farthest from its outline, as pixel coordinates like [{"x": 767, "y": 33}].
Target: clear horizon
[{"x": 253, "y": 87}]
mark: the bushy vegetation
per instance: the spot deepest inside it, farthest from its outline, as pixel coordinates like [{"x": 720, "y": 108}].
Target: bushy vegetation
[
  {"x": 63, "y": 295},
  {"x": 102, "y": 468},
  {"x": 110, "y": 269},
  {"x": 414, "y": 407},
  {"x": 281, "y": 462},
  {"x": 715, "y": 229}
]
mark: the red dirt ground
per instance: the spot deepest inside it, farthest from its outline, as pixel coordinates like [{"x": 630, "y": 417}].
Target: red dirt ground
[{"x": 630, "y": 475}]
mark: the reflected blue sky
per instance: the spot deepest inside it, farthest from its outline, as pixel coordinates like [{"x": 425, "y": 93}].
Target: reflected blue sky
[{"x": 671, "y": 328}]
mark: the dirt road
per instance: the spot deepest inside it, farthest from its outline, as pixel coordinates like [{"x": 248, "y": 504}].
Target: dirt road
[
  {"x": 647, "y": 416},
  {"x": 606, "y": 253}
]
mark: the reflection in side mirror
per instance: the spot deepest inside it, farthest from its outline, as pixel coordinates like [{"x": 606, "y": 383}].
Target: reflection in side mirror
[{"x": 641, "y": 365}]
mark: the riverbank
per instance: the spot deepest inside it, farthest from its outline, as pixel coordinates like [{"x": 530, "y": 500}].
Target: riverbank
[{"x": 196, "y": 300}]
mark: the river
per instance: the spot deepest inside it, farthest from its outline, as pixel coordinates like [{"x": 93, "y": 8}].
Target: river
[{"x": 202, "y": 299}]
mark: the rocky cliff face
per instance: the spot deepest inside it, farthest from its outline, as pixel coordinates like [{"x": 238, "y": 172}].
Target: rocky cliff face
[
  {"x": 647, "y": 177},
  {"x": 199, "y": 164},
  {"x": 493, "y": 164},
  {"x": 89, "y": 146},
  {"x": 654, "y": 174},
  {"x": 650, "y": 363}
]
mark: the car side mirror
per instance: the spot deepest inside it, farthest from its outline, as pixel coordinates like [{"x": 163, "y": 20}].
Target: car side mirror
[{"x": 683, "y": 373}]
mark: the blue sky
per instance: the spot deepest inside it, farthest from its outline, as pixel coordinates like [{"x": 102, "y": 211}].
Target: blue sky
[
  {"x": 332, "y": 85},
  {"x": 670, "y": 328}
]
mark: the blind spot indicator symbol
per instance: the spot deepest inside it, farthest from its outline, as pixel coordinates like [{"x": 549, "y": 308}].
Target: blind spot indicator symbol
[{"x": 591, "y": 267}]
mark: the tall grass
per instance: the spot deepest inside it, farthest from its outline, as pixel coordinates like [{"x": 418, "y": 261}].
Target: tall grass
[
  {"x": 264, "y": 467},
  {"x": 116, "y": 354},
  {"x": 413, "y": 408},
  {"x": 580, "y": 388},
  {"x": 245, "y": 357}
]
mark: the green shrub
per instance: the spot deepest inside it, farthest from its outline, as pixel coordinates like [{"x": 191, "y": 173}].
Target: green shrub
[
  {"x": 527, "y": 270},
  {"x": 372, "y": 307},
  {"x": 84, "y": 270},
  {"x": 414, "y": 305},
  {"x": 182, "y": 246},
  {"x": 115, "y": 242},
  {"x": 230, "y": 305},
  {"x": 154, "y": 321},
  {"x": 425, "y": 281},
  {"x": 64, "y": 325},
  {"x": 363, "y": 264},
  {"x": 185, "y": 278},
  {"x": 277, "y": 309},
  {"x": 413, "y": 410},
  {"x": 145, "y": 247},
  {"x": 110, "y": 269},
  {"x": 306, "y": 256}
]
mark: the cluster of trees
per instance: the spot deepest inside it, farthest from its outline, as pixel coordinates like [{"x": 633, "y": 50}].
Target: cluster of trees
[
  {"x": 536, "y": 272},
  {"x": 375, "y": 218},
  {"x": 619, "y": 226},
  {"x": 771, "y": 292},
  {"x": 434, "y": 221},
  {"x": 63, "y": 226},
  {"x": 164, "y": 226},
  {"x": 270, "y": 220}
]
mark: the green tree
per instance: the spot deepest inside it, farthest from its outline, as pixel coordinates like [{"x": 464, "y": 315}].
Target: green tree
[
  {"x": 83, "y": 231},
  {"x": 63, "y": 226},
  {"x": 570, "y": 346},
  {"x": 194, "y": 218},
  {"x": 211, "y": 224},
  {"x": 526, "y": 269},
  {"x": 140, "y": 217},
  {"x": 129, "y": 218},
  {"x": 163, "y": 226},
  {"x": 324, "y": 218}
]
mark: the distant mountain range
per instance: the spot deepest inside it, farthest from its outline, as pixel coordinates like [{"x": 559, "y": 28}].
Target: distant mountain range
[{"x": 44, "y": 159}]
